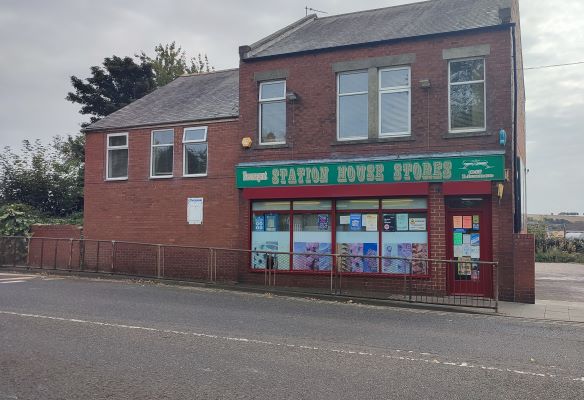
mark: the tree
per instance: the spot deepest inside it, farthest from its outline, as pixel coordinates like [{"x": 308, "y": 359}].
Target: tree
[
  {"x": 120, "y": 82},
  {"x": 170, "y": 62},
  {"x": 49, "y": 179}
]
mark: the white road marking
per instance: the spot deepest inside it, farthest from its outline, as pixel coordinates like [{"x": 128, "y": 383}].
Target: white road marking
[
  {"x": 3, "y": 281},
  {"x": 417, "y": 357}
]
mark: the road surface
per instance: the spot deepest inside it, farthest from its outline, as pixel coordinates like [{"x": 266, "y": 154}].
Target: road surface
[{"x": 72, "y": 338}]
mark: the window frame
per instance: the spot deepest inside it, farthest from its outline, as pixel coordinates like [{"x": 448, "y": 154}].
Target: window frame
[
  {"x": 395, "y": 89},
  {"x": 450, "y": 84},
  {"x": 339, "y": 95},
  {"x": 271, "y": 100},
  {"x": 107, "y": 150},
  {"x": 185, "y": 142},
  {"x": 152, "y": 146}
]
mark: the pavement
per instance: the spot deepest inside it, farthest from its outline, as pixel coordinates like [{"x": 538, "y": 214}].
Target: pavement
[
  {"x": 80, "y": 338},
  {"x": 559, "y": 290}
]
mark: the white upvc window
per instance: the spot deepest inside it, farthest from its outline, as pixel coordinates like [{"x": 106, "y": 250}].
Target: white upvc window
[
  {"x": 195, "y": 151},
  {"x": 353, "y": 105},
  {"x": 395, "y": 102},
  {"x": 467, "y": 95},
  {"x": 272, "y": 112},
  {"x": 162, "y": 153},
  {"x": 117, "y": 157}
]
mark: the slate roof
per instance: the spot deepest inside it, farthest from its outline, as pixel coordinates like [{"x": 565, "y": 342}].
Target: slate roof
[
  {"x": 188, "y": 98},
  {"x": 398, "y": 22}
]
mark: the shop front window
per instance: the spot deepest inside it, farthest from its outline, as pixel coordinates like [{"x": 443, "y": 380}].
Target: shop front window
[
  {"x": 312, "y": 236},
  {"x": 357, "y": 235},
  {"x": 270, "y": 234},
  {"x": 404, "y": 236}
]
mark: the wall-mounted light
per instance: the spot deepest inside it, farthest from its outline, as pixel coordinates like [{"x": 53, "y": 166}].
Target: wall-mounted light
[
  {"x": 291, "y": 96},
  {"x": 502, "y": 137},
  {"x": 425, "y": 84},
  {"x": 246, "y": 142},
  {"x": 500, "y": 190}
]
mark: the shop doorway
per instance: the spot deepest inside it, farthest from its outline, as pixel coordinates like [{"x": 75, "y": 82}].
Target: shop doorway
[{"x": 469, "y": 241}]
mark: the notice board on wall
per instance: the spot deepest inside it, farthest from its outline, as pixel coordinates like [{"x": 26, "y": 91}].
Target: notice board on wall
[{"x": 195, "y": 210}]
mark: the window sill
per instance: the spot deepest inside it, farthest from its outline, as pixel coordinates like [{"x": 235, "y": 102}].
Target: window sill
[
  {"x": 267, "y": 146},
  {"x": 162, "y": 177},
  {"x": 463, "y": 134},
  {"x": 388, "y": 139},
  {"x": 195, "y": 176},
  {"x": 117, "y": 179}
]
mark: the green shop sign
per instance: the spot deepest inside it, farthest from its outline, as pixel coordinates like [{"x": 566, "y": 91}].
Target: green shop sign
[{"x": 447, "y": 169}]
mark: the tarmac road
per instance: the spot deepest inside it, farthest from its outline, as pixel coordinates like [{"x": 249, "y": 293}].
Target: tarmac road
[{"x": 70, "y": 338}]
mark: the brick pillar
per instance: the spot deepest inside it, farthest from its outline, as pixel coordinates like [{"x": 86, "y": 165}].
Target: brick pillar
[
  {"x": 437, "y": 239},
  {"x": 524, "y": 263}
]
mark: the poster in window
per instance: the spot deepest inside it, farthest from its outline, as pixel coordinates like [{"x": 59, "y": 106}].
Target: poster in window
[
  {"x": 370, "y": 222},
  {"x": 389, "y": 265},
  {"x": 195, "y": 211},
  {"x": 457, "y": 222},
  {"x": 314, "y": 257},
  {"x": 351, "y": 259},
  {"x": 419, "y": 257},
  {"x": 458, "y": 238},
  {"x": 272, "y": 223},
  {"x": 404, "y": 250},
  {"x": 466, "y": 250},
  {"x": 323, "y": 222},
  {"x": 259, "y": 260},
  {"x": 475, "y": 239},
  {"x": 417, "y": 224},
  {"x": 467, "y": 222},
  {"x": 475, "y": 252},
  {"x": 389, "y": 223},
  {"x": 370, "y": 261},
  {"x": 465, "y": 239},
  {"x": 476, "y": 219},
  {"x": 344, "y": 220},
  {"x": 458, "y": 251},
  {"x": 465, "y": 268},
  {"x": 355, "y": 222},
  {"x": 259, "y": 223},
  {"x": 476, "y": 272},
  {"x": 402, "y": 222}
]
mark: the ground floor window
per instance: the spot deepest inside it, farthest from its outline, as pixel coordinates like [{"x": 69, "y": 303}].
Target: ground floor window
[{"x": 358, "y": 230}]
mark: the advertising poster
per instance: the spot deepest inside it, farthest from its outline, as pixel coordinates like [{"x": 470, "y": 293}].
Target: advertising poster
[
  {"x": 259, "y": 223},
  {"x": 344, "y": 220},
  {"x": 355, "y": 262},
  {"x": 476, "y": 272},
  {"x": 475, "y": 252},
  {"x": 323, "y": 222},
  {"x": 467, "y": 222},
  {"x": 457, "y": 222},
  {"x": 475, "y": 239},
  {"x": 272, "y": 223},
  {"x": 475, "y": 219},
  {"x": 465, "y": 239},
  {"x": 355, "y": 222},
  {"x": 457, "y": 238},
  {"x": 466, "y": 250},
  {"x": 458, "y": 251},
  {"x": 195, "y": 211},
  {"x": 417, "y": 224},
  {"x": 312, "y": 262},
  {"x": 389, "y": 223},
  {"x": 402, "y": 222},
  {"x": 258, "y": 260},
  {"x": 404, "y": 250},
  {"x": 389, "y": 266},
  {"x": 465, "y": 268},
  {"x": 419, "y": 251},
  {"x": 370, "y": 222}
]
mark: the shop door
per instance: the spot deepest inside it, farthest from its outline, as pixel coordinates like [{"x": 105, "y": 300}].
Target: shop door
[{"x": 469, "y": 242}]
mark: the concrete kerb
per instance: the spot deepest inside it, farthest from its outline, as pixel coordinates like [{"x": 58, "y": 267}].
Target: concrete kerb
[{"x": 258, "y": 290}]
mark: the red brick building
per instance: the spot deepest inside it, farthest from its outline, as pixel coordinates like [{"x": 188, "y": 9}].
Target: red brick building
[{"x": 396, "y": 132}]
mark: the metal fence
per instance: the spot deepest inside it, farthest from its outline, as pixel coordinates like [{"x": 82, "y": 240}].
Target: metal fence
[{"x": 416, "y": 280}]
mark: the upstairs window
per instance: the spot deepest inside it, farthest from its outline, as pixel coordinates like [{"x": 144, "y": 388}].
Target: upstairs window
[
  {"x": 272, "y": 112},
  {"x": 195, "y": 151},
  {"x": 162, "y": 153},
  {"x": 117, "y": 156},
  {"x": 394, "y": 102},
  {"x": 467, "y": 95},
  {"x": 352, "y": 107}
]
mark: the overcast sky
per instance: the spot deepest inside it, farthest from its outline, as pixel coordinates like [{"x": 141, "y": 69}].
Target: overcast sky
[{"x": 43, "y": 43}]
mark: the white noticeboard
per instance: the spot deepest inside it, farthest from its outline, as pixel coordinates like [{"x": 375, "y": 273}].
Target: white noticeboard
[{"x": 195, "y": 211}]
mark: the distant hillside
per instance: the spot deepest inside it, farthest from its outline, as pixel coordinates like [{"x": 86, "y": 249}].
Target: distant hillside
[{"x": 570, "y": 222}]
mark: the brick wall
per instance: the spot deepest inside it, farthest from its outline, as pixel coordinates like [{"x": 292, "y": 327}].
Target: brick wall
[
  {"x": 524, "y": 262},
  {"x": 155, "y": 210}
]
